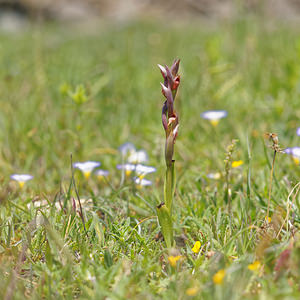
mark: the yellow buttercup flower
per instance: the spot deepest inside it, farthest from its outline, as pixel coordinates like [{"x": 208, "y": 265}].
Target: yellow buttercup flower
[
  {"x": 268, "y": 219},
  {"x": 192, "y": 291},
  {"x": 237, "y": 163},
  {"x": 174, "y": 259},
  {"x": 196, "y": 247},
  {"x": 255, "y": 266},
  {"x": 219, "y": 276}
]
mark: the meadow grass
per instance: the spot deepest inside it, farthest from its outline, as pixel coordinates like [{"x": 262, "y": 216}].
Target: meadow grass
[{"x": 247, "y": 67}]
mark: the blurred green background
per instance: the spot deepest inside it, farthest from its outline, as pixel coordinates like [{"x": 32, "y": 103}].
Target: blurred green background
[{"x": 85, "y": 85}]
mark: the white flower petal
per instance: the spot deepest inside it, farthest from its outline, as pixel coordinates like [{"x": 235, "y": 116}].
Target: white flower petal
[
  {"x": 87, "y": 166},
  {"x": 214, "y": 114},
  {"x": 21, "y": 177},
  {"x": 127, "y": 147},
  {"x": 142, "y": 182},
  {"x": 101, "y": 172},
  {"x": 214, "y": 175},
  {"x": 138, "y": 157},
  {"x": 142, "y": 169},
  {"x": 126, "y": 167},
  {"x": 294, "y": 151}
]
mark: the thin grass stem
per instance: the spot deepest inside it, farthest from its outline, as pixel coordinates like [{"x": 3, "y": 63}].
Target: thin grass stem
[{"x": 270, "y": 185}]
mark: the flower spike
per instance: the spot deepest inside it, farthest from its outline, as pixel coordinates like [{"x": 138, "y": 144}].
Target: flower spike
[{"x": 170, "y": 124}]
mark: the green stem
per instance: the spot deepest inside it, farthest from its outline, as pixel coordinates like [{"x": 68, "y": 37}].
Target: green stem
[
  {"x": 164, "y": 210},
  {"x": 270, "y": 185},
  {"x": 165, "y": 221},
  {"x": 169, "y": 187}
]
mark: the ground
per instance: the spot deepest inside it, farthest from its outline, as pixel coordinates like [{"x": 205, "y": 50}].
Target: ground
[{"x": 84, "y": 91}]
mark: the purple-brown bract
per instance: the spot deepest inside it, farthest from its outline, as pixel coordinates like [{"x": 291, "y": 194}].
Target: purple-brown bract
[{"x": 169, "y": 117}]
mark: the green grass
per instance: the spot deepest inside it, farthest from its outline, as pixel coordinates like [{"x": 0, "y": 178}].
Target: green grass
[{"x": 247, "y": 67}]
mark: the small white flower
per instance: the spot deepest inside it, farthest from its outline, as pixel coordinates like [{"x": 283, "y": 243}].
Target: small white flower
[
  {"x": 298, "y": 131},
  {"x": 21, "y": 178},
  {"x": 87, "y": 167},
  {"x": 142, "y": 170},
  {"x": 101, "y": 174},
  {"x": 295, "y": 151},
  {"x": 38, "y": 203},
  {"x": 129, "y": 168},
  {"x": 139, "y": 170},
  {"x": 136, "y": 157},
  {"x": 214, "y": 116},
  {"x": 214, "y": 175},
  {"x": 141, "y": 182},
  {"x": 127, "y": 148}
]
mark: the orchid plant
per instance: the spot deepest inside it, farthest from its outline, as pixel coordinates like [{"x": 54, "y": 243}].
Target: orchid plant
[{"x": 170, "y": 123}]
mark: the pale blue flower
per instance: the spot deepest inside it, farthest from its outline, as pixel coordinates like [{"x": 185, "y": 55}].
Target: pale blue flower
[
  {"x": 101, "y": 174},
  {"x": 127, "y": 148},
  {"x": 295, "y": 153}
]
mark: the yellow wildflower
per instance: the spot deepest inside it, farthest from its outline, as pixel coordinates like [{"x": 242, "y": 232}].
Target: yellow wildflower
[
  {"x": 219, "y": 276},
  {"x": 236, "y": 163},
  {"x": 196, "y": 247},
  {"x": 173, "y": 260},
  {"x": 255, "y": 266},
  {"x": 268, "y": 219},
  {"x": 192, "y": 291}
]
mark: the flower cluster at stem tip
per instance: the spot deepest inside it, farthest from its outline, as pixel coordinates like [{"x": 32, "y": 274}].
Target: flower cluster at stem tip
[{"x": 169, "y": 117}]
